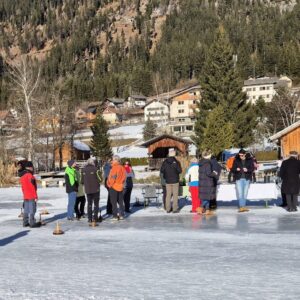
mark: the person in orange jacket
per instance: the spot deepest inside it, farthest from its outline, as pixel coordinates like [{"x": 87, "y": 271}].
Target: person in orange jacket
[
  {"x": 115, "y": 182},
  {"x": 229, "y": 165}
]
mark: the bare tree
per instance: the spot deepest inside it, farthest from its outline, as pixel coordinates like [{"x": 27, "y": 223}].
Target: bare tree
[
  {"x": 286, "y": 105},
  {"x": 25, "y": 79},
  {"x": 60, "y": 122}
]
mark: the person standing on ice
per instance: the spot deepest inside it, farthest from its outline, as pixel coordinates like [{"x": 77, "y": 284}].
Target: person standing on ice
[
  {"x": 106, "y": 171},
  {"x": 207, "y": 177},
  {"x": 29, "y": 189},
  {"x": 115, "y": 182},
  {"x": 71, "y": 188},
  {"x": 171, "y": 169},
  {"x": 242, "y": 169},
  {"x": 91, "y": 178},
  {"x": 128, "y": 185},
  {"x": 80, "y": 196},
  {"x": 192, "y": 178},
  {"x": 289, "y": 173}
]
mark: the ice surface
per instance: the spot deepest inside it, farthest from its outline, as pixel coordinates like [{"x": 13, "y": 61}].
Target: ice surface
[{"x": 149, "y": 255}]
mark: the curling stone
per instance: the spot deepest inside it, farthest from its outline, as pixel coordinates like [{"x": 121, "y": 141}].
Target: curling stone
[{"x": 57, "y": 230}]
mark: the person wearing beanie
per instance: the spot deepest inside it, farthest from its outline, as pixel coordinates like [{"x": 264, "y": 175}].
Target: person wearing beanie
[
  {"x": 92, "y": 178},
  {"x": 170, "y": 170},
  {"x": 207, "y": 187},
  {"x": 192, "y": 177},
  {"x": 290, "y": 187},
  {"x": 71, "y": 187},
  {"x": 29, "y": 189},
  {"x": 242, "y": 169}
]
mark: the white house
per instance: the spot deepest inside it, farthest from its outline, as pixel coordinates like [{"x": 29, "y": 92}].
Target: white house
[
  {"x": 156, "y": 111},
  {"x": 264, "y": 87}
]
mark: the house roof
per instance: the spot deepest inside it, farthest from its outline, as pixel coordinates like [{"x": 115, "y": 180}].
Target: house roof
[
  {"x": 116, "y": 100},
  {"x": 92, "y": 109},
  {"x": 109, "y": 110},
  {"x": 157, "y": 100},
  {"x": 282, "y": 81},
  {"x": 165, "y": 136},
  {"x": 174, "y": 93},
  {"x": 139, "y": 97},
  {"x": 3, "y": 114},
  {"x": 285, "y": 131}
]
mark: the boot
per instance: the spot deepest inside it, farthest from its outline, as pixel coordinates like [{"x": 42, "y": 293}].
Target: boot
[{"x": 35, "y": 225}]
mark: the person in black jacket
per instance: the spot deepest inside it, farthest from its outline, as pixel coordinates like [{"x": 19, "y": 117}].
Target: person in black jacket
[
  {"x": 216, "y": 167},
  {"x": 242, "y": 169},
  {"x": 289, "y": 173},
  {"x": 170, "y": 170},
  {"x": 91, "y": 178},
  {"x": 207, "y": 178}
]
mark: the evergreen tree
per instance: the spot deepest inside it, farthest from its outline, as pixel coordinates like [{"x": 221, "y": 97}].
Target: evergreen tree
[
  {"x": 221, "y": 85},
  {"x": 149, "y": 130},
  {"x": 100, "y": 142},
  {"x": 219, "y": 133}
]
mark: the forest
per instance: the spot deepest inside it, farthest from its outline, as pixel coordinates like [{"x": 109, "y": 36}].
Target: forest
[{"x": 76, "y": 41}]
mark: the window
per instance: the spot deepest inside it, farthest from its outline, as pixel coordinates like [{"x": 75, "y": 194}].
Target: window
[
  {"x": 248, "y": 89},
  {"x": 177, "y": 128},
  {"x": 180, "y": 111},
  {"x": 268, "y": 87},
  {"x": 180, "y": 102},
  {"x": 194, "y": 101},
  {"x": 262, "y": 88},
  {"x": 189, "y": 128},
  {"x": 254, "y": 89}
]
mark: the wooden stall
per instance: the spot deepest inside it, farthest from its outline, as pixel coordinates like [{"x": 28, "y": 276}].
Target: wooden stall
[
  {"x": 288, "y": 139},
  {"x": 158, "y": 149}
]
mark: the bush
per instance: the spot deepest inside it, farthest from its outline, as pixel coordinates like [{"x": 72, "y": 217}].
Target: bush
[
  {"x": 143, "y": 161},
  {"x": 7, "y": 174},
  {"x": 266, "y": 155}
]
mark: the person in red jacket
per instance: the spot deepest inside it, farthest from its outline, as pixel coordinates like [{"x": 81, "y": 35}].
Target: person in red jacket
[{"x": 29, "y": 189}]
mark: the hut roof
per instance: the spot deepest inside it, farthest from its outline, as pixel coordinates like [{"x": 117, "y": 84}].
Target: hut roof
[
  {"x": 165, "y": 136},
  {"x": 285, "y": 131}
]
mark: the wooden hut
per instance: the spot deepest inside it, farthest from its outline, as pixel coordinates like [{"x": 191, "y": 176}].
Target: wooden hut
[
  {"x": 158, "y": 149},
  {"x": 288, "y": 139}
]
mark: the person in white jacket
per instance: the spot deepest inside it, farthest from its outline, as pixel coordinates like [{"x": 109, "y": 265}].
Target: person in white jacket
[{"x": 192, "y": 178}]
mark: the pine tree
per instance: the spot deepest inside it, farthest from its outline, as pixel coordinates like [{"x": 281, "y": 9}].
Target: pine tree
[
  {"x": 221, "y": 85},
  {"x": 219, "y": 133},
  {"x": 149, "y": 130},
  {"x": 100, "y": 143}
]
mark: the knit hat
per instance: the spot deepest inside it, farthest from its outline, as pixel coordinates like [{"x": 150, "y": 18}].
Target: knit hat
[
  {"x": 71, "y": 162},
  {"x": 28, "y": 164}
]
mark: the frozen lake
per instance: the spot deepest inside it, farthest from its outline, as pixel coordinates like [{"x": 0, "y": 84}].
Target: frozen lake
[{"x": 149, "y": 255}]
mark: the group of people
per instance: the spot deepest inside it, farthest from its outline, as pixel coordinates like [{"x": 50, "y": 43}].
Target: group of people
[
  {"x": 202, "y": 177},
  {"x": 118, "y": 180},
  {"x": 82, "y": 184}
]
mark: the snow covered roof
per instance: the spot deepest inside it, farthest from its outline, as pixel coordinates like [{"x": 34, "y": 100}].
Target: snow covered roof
[
  {"x": 285, "y": 131},
  {"x": 81, "y": 146}
]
